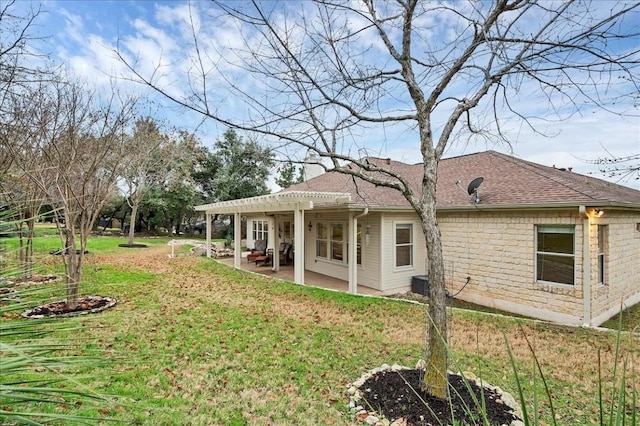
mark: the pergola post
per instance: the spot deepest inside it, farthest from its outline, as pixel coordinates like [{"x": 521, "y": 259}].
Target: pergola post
[
  {"x": 353, "y": 250},
  {"x": 237, "y": 241},
  {"x": 298, "y": 245},
  {"x": 208, "y": 240},
  {"x": 275, "y": 267}
]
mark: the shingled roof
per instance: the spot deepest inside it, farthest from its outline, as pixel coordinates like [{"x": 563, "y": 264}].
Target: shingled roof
[{"x": 509, "y": 182}]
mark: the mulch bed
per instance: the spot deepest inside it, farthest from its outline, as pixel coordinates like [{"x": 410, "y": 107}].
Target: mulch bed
[
  {"x": 34, "y": 279},
  {"x": 396, "y": 396},
  {"x": 134, "y": 245},
  {"x": 86, "y": 305},
  {"x": 65, "y": 252}
]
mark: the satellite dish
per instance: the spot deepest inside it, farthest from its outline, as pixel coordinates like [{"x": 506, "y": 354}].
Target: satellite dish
[{"x": 473, "y": 186}]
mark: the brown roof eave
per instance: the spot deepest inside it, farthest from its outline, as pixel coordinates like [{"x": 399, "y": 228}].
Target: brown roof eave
[
  {"x": 538, "y": 206},
  {"x": 490, "y": 207}
]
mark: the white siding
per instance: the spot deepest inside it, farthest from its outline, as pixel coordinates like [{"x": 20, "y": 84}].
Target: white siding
[
  {"x": 368, "y": 272},
  {"x": 394, "y": 279}
]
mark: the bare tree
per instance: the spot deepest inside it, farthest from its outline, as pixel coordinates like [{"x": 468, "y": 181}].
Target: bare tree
[
  {"x": 18, "y": 70},
  {"x": 23, "y": 197},
  {"x": 145, "y": 166},
  {"x": 329, "y": 73},
  {"x": 17, "y": 56},
  {"x": 621, "y": 167},
  {"x": 79, "y": 143}
]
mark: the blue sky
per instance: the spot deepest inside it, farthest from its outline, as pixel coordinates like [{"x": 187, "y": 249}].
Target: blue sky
[{"x": 82, "y": 35}]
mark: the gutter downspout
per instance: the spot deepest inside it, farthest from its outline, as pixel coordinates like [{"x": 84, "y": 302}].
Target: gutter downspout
[
  {"x": 353, "y": 256},
  {"x": 586, "y": 267}
]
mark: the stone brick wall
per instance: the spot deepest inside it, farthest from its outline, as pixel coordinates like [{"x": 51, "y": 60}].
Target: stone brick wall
[
  {"x": 622, "y": 264},
  {"x": 497, "y": 251}
]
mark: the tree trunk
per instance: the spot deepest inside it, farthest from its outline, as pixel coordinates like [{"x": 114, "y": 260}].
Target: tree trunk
[
  {"x": 435, "y": 378},
  {"x": 73, "y": 269},
  {"x": 28, "y": 267},
  {"x": 132, "y": 222},
  {"x": 73, "y": 290}
]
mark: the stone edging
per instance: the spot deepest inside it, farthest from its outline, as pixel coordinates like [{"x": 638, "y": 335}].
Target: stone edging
[
  {"x": 111, "y": 303},
  {"x": 375, "y": 419},
  {"x": 48, "y": 279}
]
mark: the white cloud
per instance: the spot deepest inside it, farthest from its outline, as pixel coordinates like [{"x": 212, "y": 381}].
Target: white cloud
[
  {"x": 161, "y": 44},
  {"x": 73, "y": 26}
]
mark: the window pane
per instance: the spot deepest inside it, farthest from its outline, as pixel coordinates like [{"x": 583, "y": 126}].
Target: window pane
[
  {"x": 602, "y": 247},
  {"x": 601, "y": 269},
  {"x": 403, "y": 235},
  {"x": 321, "y": 249},
  {"x": 555, "y": 242},
  {"x": 322, "y": 231},
  {"x": 336, "y": 232},
  {"x": 403, "y": 256},
  {"x": 602, "y": 229},
  {"x": 557, "y": 269},
  {"x": 336, "y": 251}
]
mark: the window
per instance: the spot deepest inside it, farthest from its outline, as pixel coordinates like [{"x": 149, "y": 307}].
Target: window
[
  {"x": 337, "y": 242},
  {"x": 331, "y": 242},
  {"x": 603, "y": 236},
  {"x": 555, "y": 254},
  {"x": 404, "y": 245},
  {"x": 260, "y": 230}
]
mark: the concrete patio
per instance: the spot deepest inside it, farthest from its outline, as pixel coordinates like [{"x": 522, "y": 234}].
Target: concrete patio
[{"x": 311, "y": 278}]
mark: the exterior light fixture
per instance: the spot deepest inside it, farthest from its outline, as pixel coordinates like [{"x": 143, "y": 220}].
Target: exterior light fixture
[
  {"x": 310, "y": 226},
  {"x": 599, "y": 212},
  {"x": 367, "y": 235}
]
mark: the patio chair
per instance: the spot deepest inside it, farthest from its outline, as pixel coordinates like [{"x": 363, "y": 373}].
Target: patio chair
[
  {"x": 286, "y": 252},
  {"x": 260, "y": 249}
]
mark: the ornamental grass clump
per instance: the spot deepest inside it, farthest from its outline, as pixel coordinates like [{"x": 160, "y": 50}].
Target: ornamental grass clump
[
  {"x": 623, "y": 404},
  {"x": 38, "y": 373}
]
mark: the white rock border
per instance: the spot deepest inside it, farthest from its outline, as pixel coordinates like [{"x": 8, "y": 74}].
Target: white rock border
[
  {"x": 376, "y": 419},
  {"x": 110, "y": 303},
  {"x": 50, "y": 278}
]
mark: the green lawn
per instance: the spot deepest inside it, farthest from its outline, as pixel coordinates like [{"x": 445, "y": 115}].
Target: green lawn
[{"x": 194, "y": 342}]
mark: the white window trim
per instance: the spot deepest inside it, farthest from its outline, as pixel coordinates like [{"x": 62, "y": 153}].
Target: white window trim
[
  {"x": 411, "y": 226},
  {"x": 329, "y": 224},
  {"x": 260, "y": 234},
  {"x": 536, "y": 253},
  {"x": 603, "y": 232}
]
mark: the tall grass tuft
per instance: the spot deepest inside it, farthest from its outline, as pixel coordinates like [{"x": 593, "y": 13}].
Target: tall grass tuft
[
  {"x": 28, "y": 350},
  {"x": 619, "y": 399},
  {"x": 613, "y": 414}
]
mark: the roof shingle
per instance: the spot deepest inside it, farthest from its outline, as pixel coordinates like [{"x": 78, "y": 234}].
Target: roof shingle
[{"x": 508, "y": 182}]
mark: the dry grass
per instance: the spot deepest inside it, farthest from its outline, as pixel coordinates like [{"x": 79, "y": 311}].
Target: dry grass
[{"x": 198, "y": 343}]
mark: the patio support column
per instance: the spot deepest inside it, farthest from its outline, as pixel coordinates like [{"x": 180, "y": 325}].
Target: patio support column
[
  {"x": 353, "y": 251},
  {"x": 276, "y": 245},
  {"x": 298, "y": 245},
  {"x": 208, "y": 239},
  {"x": 237, "y": 241},
  {"x": 586, "y": 267}
]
